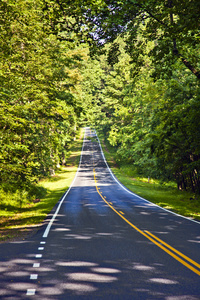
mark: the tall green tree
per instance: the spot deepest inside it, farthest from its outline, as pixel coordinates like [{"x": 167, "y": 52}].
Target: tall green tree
[
  {"x": 153, "y": 124},
  {"x": 172, "y": 24},
  {"x": 38, "y": 104}
]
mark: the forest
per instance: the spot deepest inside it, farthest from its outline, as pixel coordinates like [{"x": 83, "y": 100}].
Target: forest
[{"x": 130, "y": 69}]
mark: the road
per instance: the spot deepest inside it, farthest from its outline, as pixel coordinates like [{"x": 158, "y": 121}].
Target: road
[{"x": 102, "y": 241}]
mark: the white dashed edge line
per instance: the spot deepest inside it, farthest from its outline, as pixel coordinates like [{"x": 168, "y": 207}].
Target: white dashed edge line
[
  {"x": 36, "y": 265},
  {"x": 31, "y": 292},
  {"x": 34, "y": 276},
  {"x": 64, "y": 196}
]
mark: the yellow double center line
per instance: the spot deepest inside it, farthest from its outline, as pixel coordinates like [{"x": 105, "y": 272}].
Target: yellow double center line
[{"x": 161, "y": 244}]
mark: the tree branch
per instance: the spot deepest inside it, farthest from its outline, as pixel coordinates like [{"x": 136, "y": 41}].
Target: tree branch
[
  {"x": 188, "y": 65},
  {"x": 176, "y": 52}
]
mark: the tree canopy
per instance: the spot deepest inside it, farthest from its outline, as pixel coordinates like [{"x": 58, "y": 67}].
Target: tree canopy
[
  {"x": 173, "y": 25},
  {"x": 39, "y": 106},
  {"x": 129, "y": 68}
]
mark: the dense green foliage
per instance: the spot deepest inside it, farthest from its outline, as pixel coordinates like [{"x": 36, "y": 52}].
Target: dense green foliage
[
  {"x": 39, "y": 103},
  {"x": 153, "y": 124},
  {"x": 172, "y": 25},
  {"x": 145, "y": 92},
  {"x": 140, "y": 87},
  {"x": 164, "y": 194},
  {"x": 19, "y": 216}
]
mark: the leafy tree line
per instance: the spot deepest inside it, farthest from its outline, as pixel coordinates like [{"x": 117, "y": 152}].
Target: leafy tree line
[
  {"x": 39, "y": 102},
  {"x": 140, "y": 87},
  {"x": 152, "y": 123},
  {"x": 142, "y": 90},
  {"x": 172, "y": 24}
]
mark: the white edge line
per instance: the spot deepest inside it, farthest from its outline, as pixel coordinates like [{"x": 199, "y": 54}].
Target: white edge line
[
  {"x": 128, "y": 191},
  {"x": 30, "y": 292},
  {"x": 63, "y": 197}
]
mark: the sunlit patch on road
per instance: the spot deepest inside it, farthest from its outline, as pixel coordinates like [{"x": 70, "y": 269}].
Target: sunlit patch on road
[
  {"x": 79, "y": 288},
  {"x": 163, "y": 281},
  {"x": 75, "y": 264},
  {"x": 91, "y": 277},
  {"x": 105, "y": 270}
]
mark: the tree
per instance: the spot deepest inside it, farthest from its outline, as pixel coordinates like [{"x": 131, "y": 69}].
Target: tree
[
  {"x": 38, "y": 102},
  {"x": 171, "y": 24},
  {"x": 153, "y": 124}
]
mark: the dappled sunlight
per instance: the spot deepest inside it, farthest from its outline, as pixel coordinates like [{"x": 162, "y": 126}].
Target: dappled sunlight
[
  {"x": 145, "y": 268},
  {"x": 22, "y": 286},
  {"x": 58, "y": 215},
  {"x": 90, "y": 277},
  {"x": 16, "y": 274},
  {"x": 89, "y": 204},
  {"x": 22, "y": 261},
  {"x": 61, "y": 229},
  {"x": 50, "y": 291},
  {"x": 104, "y": 233},
  {"x": 144, "y": 213},
  {"x": 162, "y": 281},
  {"x": 44, "y": 269},
  {"x": 3, "y": 269},
  {"x": 78, "y": 236},
  {"x": 193, "y": 241},
  {"x": 76, "y": 264},
  {"x": 170, "y": 227},
  {"x": 182, "y": 297},
  {"x": 105, "y": 270},
  {"x": 61, "y": 278},
  {"x": 5, "y": 292},
  {"x": 161, "y": 232},
  {"x": 98, "y": 248},
  {"x": 79, "y": 288},
  {"x": 82, "y": 277}
]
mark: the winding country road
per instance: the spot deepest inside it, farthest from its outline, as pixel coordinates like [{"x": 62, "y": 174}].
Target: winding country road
[{"x": 102, "y": 241}]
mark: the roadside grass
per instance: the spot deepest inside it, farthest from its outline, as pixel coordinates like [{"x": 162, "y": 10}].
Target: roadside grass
[
  {"x": 18, "y": 222},
  {"x": 164, "y": 194}
]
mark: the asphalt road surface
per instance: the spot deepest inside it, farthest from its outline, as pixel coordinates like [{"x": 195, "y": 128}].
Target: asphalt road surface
[{"x": 102, "y": 241}]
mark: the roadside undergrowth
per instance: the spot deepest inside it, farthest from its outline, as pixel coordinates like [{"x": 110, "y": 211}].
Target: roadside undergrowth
[
  {"x": 164, "y": 194},
  {"x": 16, "y": 222}
]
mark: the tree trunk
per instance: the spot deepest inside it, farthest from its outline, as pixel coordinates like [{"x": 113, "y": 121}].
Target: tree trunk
[{"x": 177, "y": 53}]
